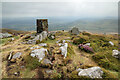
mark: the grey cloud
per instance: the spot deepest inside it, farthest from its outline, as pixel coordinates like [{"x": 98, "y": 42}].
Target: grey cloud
[{"x": 37, "y": 9}]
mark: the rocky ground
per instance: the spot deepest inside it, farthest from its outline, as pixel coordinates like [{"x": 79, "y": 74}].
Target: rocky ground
[{"x": 57, "y": 55}]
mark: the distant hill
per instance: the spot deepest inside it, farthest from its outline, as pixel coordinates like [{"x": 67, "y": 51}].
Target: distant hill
[
  {"x": 4, "y": 30},
  {"x": 92, "y": 25}
]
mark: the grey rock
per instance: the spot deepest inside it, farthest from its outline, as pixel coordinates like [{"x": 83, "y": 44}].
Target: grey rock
[
  {"x": 111, "y": 43},
  {"x": 47, "y": 61},
  {"x": 51, "y": 35},
  {"x": 74, "y": 31},
  {"x": 17, "y": 55},
  {"x": 43, "y": 44},
  {"x": 39, "y": 53},
  {"x": 44, "y": 34},
  {"x": 12, "y": 39},
  {"x": 10, "y": 56},
  {"x": 88, "y": 44},
  {"x": 93, "y": 72},
  {"x": 116, "y": 54},
  {"x": 49, "y": 71},
  {"x": 31, "y": 42},
  {"x": 5, "y": 35},
  {"x": 57, "y": 41},
  {"x": 36, "y": 47},
  {"x": 41, "y": 36},
  {"x": 63, "y": 50}
]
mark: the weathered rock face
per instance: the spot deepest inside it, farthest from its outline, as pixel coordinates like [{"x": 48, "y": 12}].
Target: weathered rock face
[
  {"x": 94, "y": 72},
  {"x": 63, "y": 50},
  {"x": 39, "y": 53},
  {"x": 74, "y": 31},
  {"x": 42, "y": 25},
  {"x": 116, "y": 54},
  {"x": 5, "y": 35}
]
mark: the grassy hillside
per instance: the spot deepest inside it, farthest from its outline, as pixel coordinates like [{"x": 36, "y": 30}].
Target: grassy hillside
[{"x": 63, "y": 68}]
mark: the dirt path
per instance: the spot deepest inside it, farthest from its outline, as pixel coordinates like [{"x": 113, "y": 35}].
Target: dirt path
[
  {"x": 13, "y": 43},
  {"x": 82, "y": 58}
]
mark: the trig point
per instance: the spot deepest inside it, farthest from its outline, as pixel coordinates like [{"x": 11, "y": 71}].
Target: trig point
[{"x": 42, "y": 25}]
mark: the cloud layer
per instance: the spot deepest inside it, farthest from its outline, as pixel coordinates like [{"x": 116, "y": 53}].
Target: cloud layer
[{"x": 59, "y": 9}]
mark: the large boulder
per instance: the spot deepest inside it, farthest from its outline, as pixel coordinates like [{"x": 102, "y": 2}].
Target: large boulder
[
  {"x": 74, "y": 31},
  {"x": 41, "y": 36},
  {"x": 93, "y": 72},
  {"x": 116, "y": 54},
  {"x": 39, "y": 53},
  {"x": 63, "y": 50}
]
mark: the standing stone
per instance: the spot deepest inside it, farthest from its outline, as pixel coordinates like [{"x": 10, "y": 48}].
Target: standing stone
[{"x": 42, "y": 25}]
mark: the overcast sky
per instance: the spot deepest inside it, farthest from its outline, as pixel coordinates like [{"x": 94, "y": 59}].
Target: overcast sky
[{"x": 60, "y": 8}]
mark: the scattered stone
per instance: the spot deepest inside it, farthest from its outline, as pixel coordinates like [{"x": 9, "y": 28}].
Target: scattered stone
[
  {"x": 12, "y": 39},
  {"x": 79, "y": 69},
  {"x": 68, "y": 40},
  {"x": 111, "y": 43},
  {"x": 51, "y": 35},
  {"x": 22, "y": 66},
  {"x": 88, "y": 44},
  {"x": 33, "y": 55},
  {"x": 17, "y": 73},
  {"x": 93, "y": 72},
  {"x": 39, "y": 53},
  {"x": 31, "y": 42},
  {"x": 36, "y": 47},
  {"x": 48, "y": 71},
  {"x": 47, "y": 61},
  {"x": 17, "y": 55},
  {"x": 57, "y": 41},
  {"x": 43, "y": 44},
  {"x": 10, "y": 56},
  {"x": 63, "y": 50},
  {"x": 5, "y": 35},
  {"x": 116, "y": 54},
  {"x": 64, "y": 41}
]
